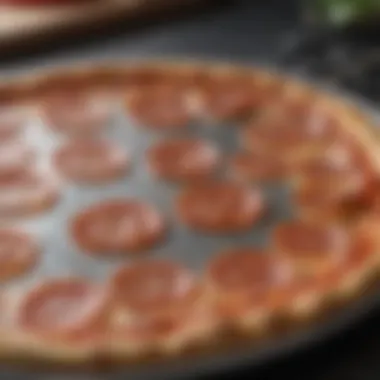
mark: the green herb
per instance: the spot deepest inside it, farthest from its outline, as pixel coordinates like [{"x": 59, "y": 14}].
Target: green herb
[{"x": 346, "y": 11}]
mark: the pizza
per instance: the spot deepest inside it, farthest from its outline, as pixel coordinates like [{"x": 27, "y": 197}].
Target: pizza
[{"x": 108, "y": 164}]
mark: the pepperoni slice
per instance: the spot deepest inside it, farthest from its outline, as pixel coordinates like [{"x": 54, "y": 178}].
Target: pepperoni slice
[
  {"x": 288, "y": 138},
  {"x": 19, "y": 253},
  {"x": 64, "y": 308},
  {"x": 363, "y": 255},
  {"x": 370, "y": 196},
  {"x": 118, "y": 226},
  {"x": 159, "y": 297},
  {"x": 12, "y": 123},
  {"x": 320, "y": 201},
  {"x": 327, "y": 165},
  {"x": 76, "y": 114},
  {"x": 91, "y": 161},
  {"x": 245, "y": 282},
  {"x": 183, "y": 159},
  {"x": 28, "y": 192},
  {"x": 160, "y": 106},
  {"x": 229, "y": 96},
  {"x": 368, "y": 229},
  {"x": 220, "y": 207},
  {"x": 364, "y": 191},
  {"x": 243, "y": 270},
  {"x": 326, "y": 185},
  {"x": 347, "y": 276},
  {"x": 302, "y": 107},
  {"x": 154, "y": 287},
  {"x": 336, "y": 167},
  {"x": 299, "y": 105},
  {"x": 310, "y": 246},
  {"x": 15, "y": 157},
  {"x": 257, "y": 167}
]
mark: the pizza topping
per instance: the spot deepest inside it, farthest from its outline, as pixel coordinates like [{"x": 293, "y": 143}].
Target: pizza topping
[
  {"x": 271, "y": 133},
  {"x": 76, "y": 114},
  {"x": 258, "y": 167},
  {"x": 15, "y": 157},
  {"x": 228, "y": 96},
  {"x": 19, "y": 253},
  {"x": 336, "y": 166},
  {"x": 325, "y": 167},
  {"x": 311, "y": 245},
  {"x": 325, "y": 184},
  {"x": 156, "y": 300},
  {"x": 282, "y": 134},
  {"x": 154, "y": 287},
  {"x": 183, "y": 159},
  {"x": 316, "y": 196},
  {"x": 245, "y": 281},
  {"x": 299, "y": 105},
  {"x": 91, "y": 161},
  {"x": 358, "y": 266},
  {"x": 365, "y": 243},
  {"x": 243, "y": 270},
  {"x": 27, "y": 192},
  {"x": 365, "y": 195},
  {"x": 321, "y": 199},
  {"x": 369, "y": 198},
  {"x": 12, "y": 123},
  {"x": 64, "y": 308},
  {"x": 159, "y": 107},
  {"x": 118, "y": 226},
  {"x": 220, "y": 206}
]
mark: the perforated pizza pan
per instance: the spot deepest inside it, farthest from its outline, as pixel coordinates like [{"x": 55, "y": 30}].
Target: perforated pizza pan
[{"x": 62, "y": 257}]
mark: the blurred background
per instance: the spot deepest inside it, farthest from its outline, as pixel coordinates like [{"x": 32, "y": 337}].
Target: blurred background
[
  {"x": 336, "y": 40},
  {"x": 333, "y": 41}
]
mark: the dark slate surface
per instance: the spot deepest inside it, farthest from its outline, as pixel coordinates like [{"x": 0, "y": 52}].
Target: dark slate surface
[
  {"x": 242, "y": 31},
  {"x": 248, "y": 31}
]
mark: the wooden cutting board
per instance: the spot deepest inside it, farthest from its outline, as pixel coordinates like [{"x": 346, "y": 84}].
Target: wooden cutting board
[{"x": 21, "y": 25}]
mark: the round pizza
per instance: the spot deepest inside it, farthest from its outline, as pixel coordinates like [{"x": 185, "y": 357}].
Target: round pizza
[{"x": 103, "y": 167}]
